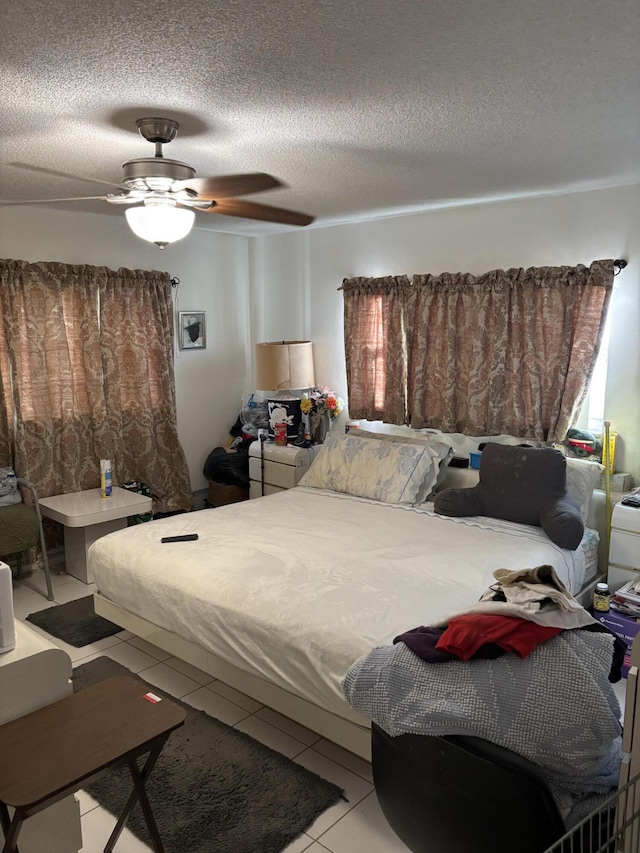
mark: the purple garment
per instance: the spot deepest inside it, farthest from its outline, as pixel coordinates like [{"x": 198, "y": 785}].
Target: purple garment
[{"x": 422, "y": 642}]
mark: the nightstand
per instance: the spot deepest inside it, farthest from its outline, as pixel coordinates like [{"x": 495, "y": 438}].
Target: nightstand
[
  {"x": 624, "y": 547},
  {"x": 283, "y": 467}
]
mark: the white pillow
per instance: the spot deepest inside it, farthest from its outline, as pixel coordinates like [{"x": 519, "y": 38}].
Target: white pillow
[
  {"x": 381, "y": 428},
  {"x": 582, "y": 478},
  {"x": 445, "y": 451},
  {"x": 396, "y": 473},
  {"x": 464, "y": 444},
  {"x": 460, "y": 478}
]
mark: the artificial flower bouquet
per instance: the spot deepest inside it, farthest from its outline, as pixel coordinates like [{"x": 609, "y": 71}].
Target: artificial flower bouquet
[{"x": 321, "y": 400}]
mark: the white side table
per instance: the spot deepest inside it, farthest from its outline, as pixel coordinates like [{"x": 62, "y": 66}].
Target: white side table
[
  {"x": 87, "y": 516},
  {"x": 624, "y": 548},
  {"x": 283, "y": 466}
]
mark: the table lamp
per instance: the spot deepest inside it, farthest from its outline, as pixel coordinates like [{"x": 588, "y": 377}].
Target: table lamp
[{"x": 284, "y": 367}]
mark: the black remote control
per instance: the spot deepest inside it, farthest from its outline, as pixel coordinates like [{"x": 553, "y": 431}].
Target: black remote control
[{"x": 186, "y": 537}]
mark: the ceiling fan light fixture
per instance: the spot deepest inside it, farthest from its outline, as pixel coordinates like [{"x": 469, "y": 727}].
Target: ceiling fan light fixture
[{"x": 160, "y": 222}]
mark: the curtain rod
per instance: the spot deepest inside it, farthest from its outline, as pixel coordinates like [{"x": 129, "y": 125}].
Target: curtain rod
[{"x": 619, "y": 264}]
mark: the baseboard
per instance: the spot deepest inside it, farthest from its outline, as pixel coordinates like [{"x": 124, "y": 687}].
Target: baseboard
[{"x": 200, "y": 499}]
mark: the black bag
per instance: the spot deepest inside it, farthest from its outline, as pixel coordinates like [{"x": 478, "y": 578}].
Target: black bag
[
  {"x": 230, "y": 469},
  {"x": 140, "y": 489}
]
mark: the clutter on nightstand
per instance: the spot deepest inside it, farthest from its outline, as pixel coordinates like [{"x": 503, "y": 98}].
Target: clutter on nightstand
[{"x": 625, "y": 627}]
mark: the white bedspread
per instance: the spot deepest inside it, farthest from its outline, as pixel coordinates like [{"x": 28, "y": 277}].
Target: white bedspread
[{"x": 294, "y": 587}]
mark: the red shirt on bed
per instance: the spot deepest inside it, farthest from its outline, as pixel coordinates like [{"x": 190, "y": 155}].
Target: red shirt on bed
[{"x": 466, "y": 634}]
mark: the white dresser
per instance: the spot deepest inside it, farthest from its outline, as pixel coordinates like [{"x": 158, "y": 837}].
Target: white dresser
[
  {"x": 283, "y": 466},
  {"x": 624, "y": 549},
  {"x": 33, "y": 675}
]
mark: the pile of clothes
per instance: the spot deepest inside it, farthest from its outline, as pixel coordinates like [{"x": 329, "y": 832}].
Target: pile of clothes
[{"x": 526, "y": 667}]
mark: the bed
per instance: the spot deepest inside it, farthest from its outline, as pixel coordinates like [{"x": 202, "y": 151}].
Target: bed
[{"x": 280, "y": 595}]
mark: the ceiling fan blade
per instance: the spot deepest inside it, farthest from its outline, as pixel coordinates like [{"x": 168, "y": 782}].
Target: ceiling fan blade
[
  {"x": 44, "y": 171},
  {"x": 51, "y": 200},
  {"x": 251, "y": 210},
  {"x": 227, "y": 186}
]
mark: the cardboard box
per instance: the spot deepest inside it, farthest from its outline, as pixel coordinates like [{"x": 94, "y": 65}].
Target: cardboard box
[
  {"x": 625, "y": 627},
  {"x": 221, "y": 495}
]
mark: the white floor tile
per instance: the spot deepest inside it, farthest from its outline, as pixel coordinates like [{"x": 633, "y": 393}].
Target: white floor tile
[
  {"x": 289, "y": 726},
  {"x": 204, "y": 699},
  {"x": 20, "y": 591},
  {"x": 124, "y": 635},
  {"x": 235, "y": 696},
  {"x": 78, "y": 654},
  {"x": 170, "y": 680},
  {"x": 30, "y": 603},
  {"x": 86, "y": 802},
  {"x": 271, "y": 737},
  {"x": 316, "y": 847},
  {"x": 303, "y": 842},
  {"x": 363, "y": 828},
  {"x": 72, "y": 590},
  {"x": 355, "y": 789},
  {"x": 89, "y": 658},
  {"x": 149, "y": 648},
  {"x": 189, "y": 670},
  {"x": 36, "y": 629},
  {"x": 347, "y": 759},
  {"x": 97, "y": 826},
  {"x": 38, "y": 580},
  {"x": 134, "y": 659}
]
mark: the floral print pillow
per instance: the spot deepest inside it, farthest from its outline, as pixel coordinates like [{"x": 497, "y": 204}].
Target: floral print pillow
[{"x": 391, "y": 472}]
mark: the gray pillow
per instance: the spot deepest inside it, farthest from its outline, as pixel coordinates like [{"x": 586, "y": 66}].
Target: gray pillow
[{"x": 527, "y": 485}]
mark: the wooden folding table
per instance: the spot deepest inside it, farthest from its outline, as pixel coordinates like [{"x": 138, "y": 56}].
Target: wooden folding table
[{"x": 54, "y": 751}]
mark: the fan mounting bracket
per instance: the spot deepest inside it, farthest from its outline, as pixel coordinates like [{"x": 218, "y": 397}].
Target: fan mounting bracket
[{"x": 154, "y": 129}]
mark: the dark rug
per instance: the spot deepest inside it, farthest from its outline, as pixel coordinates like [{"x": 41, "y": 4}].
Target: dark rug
[
  {"x": 76, "y": 622},
  {"x": 214, "y": 789}
]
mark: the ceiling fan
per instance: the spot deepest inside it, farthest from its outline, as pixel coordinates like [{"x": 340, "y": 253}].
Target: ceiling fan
[{"x": 166, "y": 192}]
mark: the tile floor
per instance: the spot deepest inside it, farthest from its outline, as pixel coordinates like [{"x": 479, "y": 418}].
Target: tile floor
[{"x": 356, "y": 826}]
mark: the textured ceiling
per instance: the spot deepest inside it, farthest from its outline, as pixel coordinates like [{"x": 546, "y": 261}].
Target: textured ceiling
[{"x": 359, "y": 106}]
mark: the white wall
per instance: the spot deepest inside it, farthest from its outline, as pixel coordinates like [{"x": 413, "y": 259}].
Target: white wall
[
  {"x": 286, "y": 286},
  {"x": 568, "y": 229},
  {"x": 214, "y": 277}
]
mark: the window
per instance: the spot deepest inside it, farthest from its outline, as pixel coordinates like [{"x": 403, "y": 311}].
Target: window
[{"x": 592, "y": 414}]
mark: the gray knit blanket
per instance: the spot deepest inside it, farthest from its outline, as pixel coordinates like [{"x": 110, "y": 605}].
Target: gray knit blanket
[{"x": 555, "y": 707}]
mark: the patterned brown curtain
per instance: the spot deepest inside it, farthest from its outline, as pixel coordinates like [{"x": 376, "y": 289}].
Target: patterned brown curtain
[
  {"x": 376, "y": 347},
  {"x": 511, "y": 351},
  {"x": 57, "y": 351},
  {"x": 6, "y": 404},
  {"x": 136, "y": 323}
]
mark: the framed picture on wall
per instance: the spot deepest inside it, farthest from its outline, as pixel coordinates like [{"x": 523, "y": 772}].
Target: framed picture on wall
[{"x": 192, "y": 331}]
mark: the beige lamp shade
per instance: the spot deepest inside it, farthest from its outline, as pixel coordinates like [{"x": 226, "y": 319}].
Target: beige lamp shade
[{"x": 284, "y": 365}]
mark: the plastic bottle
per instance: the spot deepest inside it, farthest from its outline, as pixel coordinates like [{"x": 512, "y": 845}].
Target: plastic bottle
[
  {"x": 105, "y": 478},
  {"x": 601, "y": 598},
  {"x": 7, "y": 624}
]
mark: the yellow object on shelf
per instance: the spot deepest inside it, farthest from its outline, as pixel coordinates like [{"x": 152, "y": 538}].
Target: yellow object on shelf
[{"x": 609, "y": 459}]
